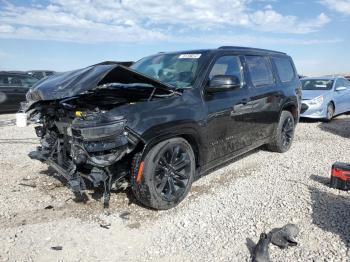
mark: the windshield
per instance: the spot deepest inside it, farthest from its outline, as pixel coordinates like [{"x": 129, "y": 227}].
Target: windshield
[
  {"x": 317, "y": 84},
  {"x": 178, "y": 70}
]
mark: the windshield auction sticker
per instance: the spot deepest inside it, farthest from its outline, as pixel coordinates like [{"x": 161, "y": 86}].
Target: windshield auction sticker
[{"x": 190, "y": 56}]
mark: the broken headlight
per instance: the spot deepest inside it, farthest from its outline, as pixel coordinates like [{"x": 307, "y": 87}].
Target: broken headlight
[{"x": 98, "y": 132}]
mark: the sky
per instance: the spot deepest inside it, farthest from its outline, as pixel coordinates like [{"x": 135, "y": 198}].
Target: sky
[{"x": 63, "y": 35}]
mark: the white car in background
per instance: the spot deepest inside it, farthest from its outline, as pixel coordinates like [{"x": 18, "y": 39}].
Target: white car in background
[{"x": 325, "y": 97}]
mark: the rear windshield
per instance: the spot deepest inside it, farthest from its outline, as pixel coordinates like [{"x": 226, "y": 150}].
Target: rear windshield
[{"x": 317, "y": 84}]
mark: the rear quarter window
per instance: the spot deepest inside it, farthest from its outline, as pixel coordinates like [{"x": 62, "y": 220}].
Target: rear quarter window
[
  {"x": 260, "y": 71},
  {"x": 285, "y": 69}
]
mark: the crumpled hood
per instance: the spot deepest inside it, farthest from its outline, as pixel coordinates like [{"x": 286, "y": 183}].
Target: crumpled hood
[
  {"x": 77, "y": 82},
  {"x": 311, "y": 94}
]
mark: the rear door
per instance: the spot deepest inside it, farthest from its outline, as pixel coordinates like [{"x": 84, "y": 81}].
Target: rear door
[
  {"x": 264, "y": 97},
  {"x": 228, "y": 125}
]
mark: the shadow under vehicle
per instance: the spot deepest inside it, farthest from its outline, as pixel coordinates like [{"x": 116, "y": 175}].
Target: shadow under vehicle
[
  {"x": 331, "y": 212},
  {"x": 339, "y": 126},
  {"x": 165, "y": 120}
]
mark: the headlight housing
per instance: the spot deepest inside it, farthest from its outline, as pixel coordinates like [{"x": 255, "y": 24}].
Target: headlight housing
[
  {"x": 98, "y": 132},
  {"x": 317, "y": 101}
]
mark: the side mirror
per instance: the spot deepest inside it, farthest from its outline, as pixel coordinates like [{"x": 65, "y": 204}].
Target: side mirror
[
  {"x": 221, "y": 83},
  {"x": 341, "y": 88}
]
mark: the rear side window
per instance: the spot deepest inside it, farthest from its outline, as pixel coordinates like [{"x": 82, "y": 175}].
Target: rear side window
[
  {"x": 284, "y": 68},
  {"x": 260, "y": 71}
]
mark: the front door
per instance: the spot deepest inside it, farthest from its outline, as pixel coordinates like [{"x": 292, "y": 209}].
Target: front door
[
  {"x": 227, "y": 111},
  {"x": 341, "y": 97}
]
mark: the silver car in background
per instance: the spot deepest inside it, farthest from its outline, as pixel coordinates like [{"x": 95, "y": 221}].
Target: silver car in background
[{"x": 325, "y": 97}]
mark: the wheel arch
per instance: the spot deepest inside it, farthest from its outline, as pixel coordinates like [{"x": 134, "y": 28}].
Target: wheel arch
[
  {"x": 333, "y": 103},
  {"x": 293, "y": 109},
  {"x": 145, "y": 146}
]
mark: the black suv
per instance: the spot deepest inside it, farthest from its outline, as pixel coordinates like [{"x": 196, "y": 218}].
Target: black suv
[
  {"x": 13, "y": 89},
  {"x": 165, "y": 120}
]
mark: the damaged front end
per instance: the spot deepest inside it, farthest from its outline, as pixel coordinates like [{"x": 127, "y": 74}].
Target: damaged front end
[
  {"x": 82, "y": 136},
  {"x": 87, "y": 146}
]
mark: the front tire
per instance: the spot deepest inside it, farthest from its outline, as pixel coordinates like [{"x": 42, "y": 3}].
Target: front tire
[
  {"x": 164, "y": 177},
  {"x": 330, "y": 112},
  {"x": 284, "y": 134}
]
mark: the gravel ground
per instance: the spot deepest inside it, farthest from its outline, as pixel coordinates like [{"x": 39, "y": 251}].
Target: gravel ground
[{"x": 221, "y": 218}]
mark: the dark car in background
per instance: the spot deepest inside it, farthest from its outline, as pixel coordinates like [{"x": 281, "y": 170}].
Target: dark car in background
[
  {"x": 13, "y": 89},
  {"x": 164, "y": 120},
  {"x": 39, "y": 74}
]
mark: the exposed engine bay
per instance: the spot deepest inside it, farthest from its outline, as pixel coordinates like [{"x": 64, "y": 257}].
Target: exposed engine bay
[{"x": 80, "y": 138}]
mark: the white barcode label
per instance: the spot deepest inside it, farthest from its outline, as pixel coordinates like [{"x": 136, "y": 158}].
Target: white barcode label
[{"x": 190, "y": 56}]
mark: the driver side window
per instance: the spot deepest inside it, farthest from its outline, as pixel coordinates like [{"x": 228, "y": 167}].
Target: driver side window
[
  {"x": 346, "y": 83},
  {"x": 340, "y": 83},
  {"x": 227, "y": 66}
]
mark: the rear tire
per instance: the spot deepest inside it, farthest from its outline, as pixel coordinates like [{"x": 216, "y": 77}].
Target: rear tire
[
  {"x": 166, "y": 174},
  {"x": 284, "y": 134}
]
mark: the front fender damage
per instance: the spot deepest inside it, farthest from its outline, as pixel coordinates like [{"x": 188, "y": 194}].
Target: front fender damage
[{"x": 84, "y": 135}]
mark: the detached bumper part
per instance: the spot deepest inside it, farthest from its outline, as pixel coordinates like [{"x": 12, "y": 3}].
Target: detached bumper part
[
  {"x": 38, "y": 155},
  {"x": 67, "y": 173},
  {"x": 74, "y": 163}
]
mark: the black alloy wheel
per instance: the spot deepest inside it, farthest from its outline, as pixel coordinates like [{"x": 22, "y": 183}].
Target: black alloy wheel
[
  {"x": 284, "y": 134},
  {"x": 172, "y": 172},
  {"x": 163, "y": 177},
  {"x": 287, "y": 131}
]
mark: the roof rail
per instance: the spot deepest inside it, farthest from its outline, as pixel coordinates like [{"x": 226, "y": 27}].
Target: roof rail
[{"x": 250, "y": 49}]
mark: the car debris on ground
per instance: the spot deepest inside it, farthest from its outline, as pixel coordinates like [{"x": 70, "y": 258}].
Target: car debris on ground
[
  {"x": 57, "y": 248},
  {"x": 282, "y": 237}
]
